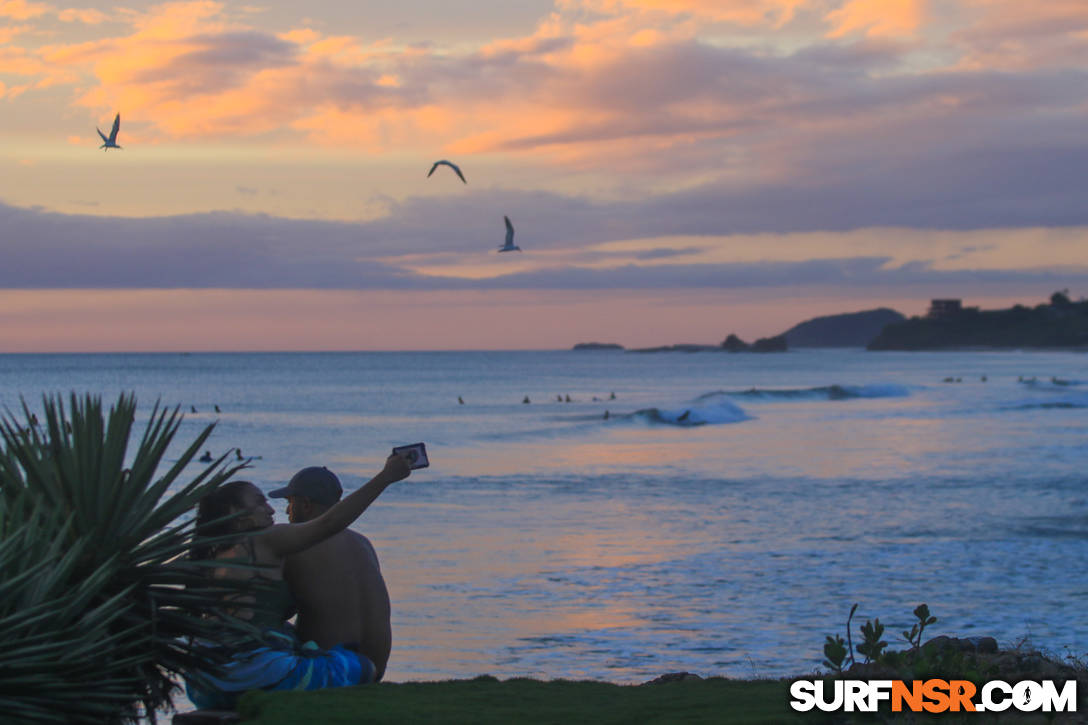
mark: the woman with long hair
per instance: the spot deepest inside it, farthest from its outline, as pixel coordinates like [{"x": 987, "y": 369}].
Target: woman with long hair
[{"x": 250, "y": 546}]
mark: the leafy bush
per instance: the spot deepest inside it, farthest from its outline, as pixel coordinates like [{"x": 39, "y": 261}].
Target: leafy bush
[
  {"x": 100, "y": 608},
  {"x": 839, "y": 654},
  {"x": 914, "y": 636}
]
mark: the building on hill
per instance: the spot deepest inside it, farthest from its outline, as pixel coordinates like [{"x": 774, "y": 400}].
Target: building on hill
[
  {"x": 944, "y": 308},
  {"x": 1043, "y": 326}
]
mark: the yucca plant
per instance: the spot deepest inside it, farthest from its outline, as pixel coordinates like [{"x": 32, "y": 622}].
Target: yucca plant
[
  {"x": 55, "y": 624},
  {"x": 101, "y": 610}
]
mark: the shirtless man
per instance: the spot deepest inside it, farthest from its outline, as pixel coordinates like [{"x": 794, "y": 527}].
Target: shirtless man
[{"x": 337, "y": 584}]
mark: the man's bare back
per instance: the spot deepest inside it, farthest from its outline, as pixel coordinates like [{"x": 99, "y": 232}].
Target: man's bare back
[
  {"x": 341, "y": 596},
  {"x": 337, "y": 584}
]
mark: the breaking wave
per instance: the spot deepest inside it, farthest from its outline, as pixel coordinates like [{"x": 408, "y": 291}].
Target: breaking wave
[
  {"x": 699, "y": 413},
  {"x": 1078, "y": 400},
  {"x": 824, "y": 392}
]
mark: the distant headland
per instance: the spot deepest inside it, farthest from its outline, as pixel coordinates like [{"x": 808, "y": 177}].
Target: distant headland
[
  {"x": 949, "y": 325},
  {"x": 1061, "y": 323},
  {"x": 851, "y": 329}
]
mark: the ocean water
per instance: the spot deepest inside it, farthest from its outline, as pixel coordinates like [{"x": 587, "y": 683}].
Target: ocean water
[{"x": 722, "y": 519}]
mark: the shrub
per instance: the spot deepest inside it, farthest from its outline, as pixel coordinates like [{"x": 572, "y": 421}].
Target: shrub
[{"x": 100, "y": 608}]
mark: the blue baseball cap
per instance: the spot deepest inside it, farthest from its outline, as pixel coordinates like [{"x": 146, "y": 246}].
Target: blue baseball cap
[{"x": 316, "y": 483}]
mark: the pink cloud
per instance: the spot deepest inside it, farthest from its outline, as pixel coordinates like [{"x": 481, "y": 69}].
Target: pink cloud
[
  {"x": 1015, "y": 36},
  {"x": 773, "y": 13}
]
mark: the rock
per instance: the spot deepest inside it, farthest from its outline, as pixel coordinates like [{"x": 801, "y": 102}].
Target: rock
[
  {"x": 731, "y": 344},
  {"x": 673, "y": 677},
  {"x": 684, "y": 347},
  {"x": 984, "y": 645},
  {"x": 763, "y": 344},
  {"x": 734, "y": 344},
  {"x": 597, "y": 346},
  {"x": 955, "y": 644},
  {"x": 770, "y": 344}
]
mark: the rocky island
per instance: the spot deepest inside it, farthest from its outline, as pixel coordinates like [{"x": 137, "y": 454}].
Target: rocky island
[
  {"x": 730, "y": 344},
  {"x": 597, "y": 346},
  {"x": 948, "y": 325}
]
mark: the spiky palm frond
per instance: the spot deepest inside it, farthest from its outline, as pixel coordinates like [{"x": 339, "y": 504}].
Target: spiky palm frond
[
  {"x": 108, "y": 547},
  {"x": 54, "y": 625}
]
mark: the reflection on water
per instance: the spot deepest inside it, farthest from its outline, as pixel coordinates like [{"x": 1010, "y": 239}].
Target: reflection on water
[{"x": 625, "y": 578}]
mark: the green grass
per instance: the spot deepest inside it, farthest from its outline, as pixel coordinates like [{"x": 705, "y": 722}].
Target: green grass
[
  {"x": 488, "y": 701},
  {"x": 485, "y": 701}
]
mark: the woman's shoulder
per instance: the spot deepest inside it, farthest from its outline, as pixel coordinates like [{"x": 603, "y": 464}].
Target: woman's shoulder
[{"x": 266, "y": 544}]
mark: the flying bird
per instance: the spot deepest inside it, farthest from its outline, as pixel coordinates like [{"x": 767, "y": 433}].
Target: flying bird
[
  {"x": 453, "y": 166},
  {"x": 509, "y": 246},
  {"x": 111, "y": 141}
]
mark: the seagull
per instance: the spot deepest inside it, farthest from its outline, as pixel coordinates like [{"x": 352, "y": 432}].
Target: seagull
[
  {"x": 453, "y": 166},
  {"x": 509, "y": 246},
  {"x": 111, "y": 141}
]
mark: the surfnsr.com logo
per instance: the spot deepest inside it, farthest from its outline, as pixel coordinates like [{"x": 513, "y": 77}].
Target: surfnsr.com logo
[{"x": 934, "y": 696}]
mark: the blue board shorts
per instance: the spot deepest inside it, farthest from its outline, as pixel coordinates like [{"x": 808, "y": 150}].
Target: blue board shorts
[{"x": 283, "y": 665}]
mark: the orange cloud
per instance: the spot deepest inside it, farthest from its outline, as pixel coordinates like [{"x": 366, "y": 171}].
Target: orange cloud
[
  {"x": 301, "y": 36},
  {"x": 178, "y": 20},
  {"x": 774, "y": 13},
  {"x": 6, "y": 34},
  {"x": 877, "y": 18},
  {"x": 334, "y": 46},
  {"x": 21, "y": 9},
  {"x": 17, "y": 61},
  {"x": 189, "y": 69},
  {"x": 631, "y": 84},
  {"x": 338, "y": 90},
  {"x": 89, "y": 16}
]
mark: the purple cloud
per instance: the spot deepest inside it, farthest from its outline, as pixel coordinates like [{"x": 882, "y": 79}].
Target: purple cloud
[{"x": 232, "y": 250}]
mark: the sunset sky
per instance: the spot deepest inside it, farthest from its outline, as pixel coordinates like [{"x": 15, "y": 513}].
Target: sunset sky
[{"x": 676, "y": 170}]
